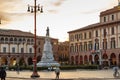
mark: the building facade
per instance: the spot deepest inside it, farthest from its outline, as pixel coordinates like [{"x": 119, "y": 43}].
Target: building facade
[
  {"x": 97, "y": 43},
  {"x": 18, "y": 47},
  {"x": 63, "y": 52}
]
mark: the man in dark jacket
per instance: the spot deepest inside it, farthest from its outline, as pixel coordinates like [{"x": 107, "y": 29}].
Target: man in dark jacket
[{"x": 2, "y": 73}]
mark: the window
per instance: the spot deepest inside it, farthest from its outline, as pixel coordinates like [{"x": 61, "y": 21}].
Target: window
[
  {"x": 112, "y": 17},
  {"x": 4, "y": 49},
  {"x": 104, "y": 19},
  {"x": 30, "y": 50},
  {"x": 11, "y": 39},
  {"x": 85, "y": 46},
  {"x": 113, "y": 43},
  {"x": 104, "y": 43},
  {"x": 96, "y": 46},
  {"x": 6, "y": 39},
  {"x": 15, "y": 40},
  {"x": 22, "y": 50},
  {"x": 112, "y": 31},
  {"x": 72, "y": 48},
  {"x": 80, "y": 46},
  {"x": 20, "y": 40},
  {"x": 76, "y": 47},
  {"x": 96, "y": 33},
  {"x": 90, "y": 45},
  {"x": 28, "y": 41},
  {"x": 13, "y": 50},
  {"x": 80, "y": 35},
  {"x": 77, "y": 37},
  {"x": 32, "y": 41},
  {"x": 85, "y": 36},
  {"x": 104, "y": 32},
  {"x": 71, "y": 38},
  {"x": 2, "y": 39},
  {"x": 90, "y": 36}
]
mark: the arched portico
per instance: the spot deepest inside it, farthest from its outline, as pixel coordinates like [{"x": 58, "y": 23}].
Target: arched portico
[
  {"x": 113, "y": 59},
  {"x": 30, "y": 62},
  {"x": 76, "y": 60},
  {"x": 85, "y": 59},
  {"x": 96, "y": 59},
  {"x": 105, "y": 60},
  {"x": 81, "y": 59},
  {"x": 90, "y": 59},
  {"x": 72, "y": 59}
]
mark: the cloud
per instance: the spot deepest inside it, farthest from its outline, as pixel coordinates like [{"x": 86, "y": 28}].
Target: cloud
[
  {"x": 52, "y": 11},
  {"x": 57, "y": 2},
  {"x": 7, "y": 7}
]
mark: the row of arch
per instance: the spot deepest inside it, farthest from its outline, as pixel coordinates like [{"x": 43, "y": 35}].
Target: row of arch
[
  {"x": 13, "y": 60},
  {"x": 107, "y": 60},
  {"x": 11, "y": 39}
]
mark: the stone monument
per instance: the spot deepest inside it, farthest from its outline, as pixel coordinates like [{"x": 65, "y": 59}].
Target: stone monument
[{"x": 47, "y": 59}]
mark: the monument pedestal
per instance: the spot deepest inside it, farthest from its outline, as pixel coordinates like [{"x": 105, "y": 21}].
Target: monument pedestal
[{"x": 47, "y": 59}]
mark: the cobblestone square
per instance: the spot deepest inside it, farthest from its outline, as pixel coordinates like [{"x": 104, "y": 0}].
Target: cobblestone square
[{"x": 64, "y": 75}]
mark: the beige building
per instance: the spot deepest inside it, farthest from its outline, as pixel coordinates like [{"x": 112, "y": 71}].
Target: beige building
[
  {"x": 63, "y": 52},
  {"x": 18, "y": 47},
  {"x": 97, "y": 43}
]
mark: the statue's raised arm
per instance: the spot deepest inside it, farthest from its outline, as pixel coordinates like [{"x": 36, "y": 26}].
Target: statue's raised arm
[{"x": 47, "y": 31}]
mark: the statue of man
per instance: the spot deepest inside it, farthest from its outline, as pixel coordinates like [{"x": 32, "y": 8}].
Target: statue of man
[{"x": 47, "y": 33}]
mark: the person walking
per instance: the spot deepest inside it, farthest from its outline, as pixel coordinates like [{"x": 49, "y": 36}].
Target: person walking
[
  {"x": 116, "y": 73},
  {"x": 2, "y": 73},
  {"x": 17, "y": 68},
  {"x": 57, "y": 72}
]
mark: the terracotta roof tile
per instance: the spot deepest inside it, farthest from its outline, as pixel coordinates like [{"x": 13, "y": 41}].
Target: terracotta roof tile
[
  {"x": 10, "y": 32},
  {"x": 95, "y": 26}
]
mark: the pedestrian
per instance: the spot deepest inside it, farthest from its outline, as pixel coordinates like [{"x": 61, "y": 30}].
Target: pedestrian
[
  {"x": 116, "y": 73},
  {"x": 17, "y": 68},
  {"x": 57, "y": 72},
  {"x": 2, "y": 73}
]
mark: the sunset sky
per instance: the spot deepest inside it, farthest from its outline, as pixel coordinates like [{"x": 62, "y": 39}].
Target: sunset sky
[{"x": 61, "y": 16}]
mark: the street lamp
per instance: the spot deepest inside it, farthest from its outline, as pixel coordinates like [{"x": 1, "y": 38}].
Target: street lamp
[{"x": 34, "y": 9}]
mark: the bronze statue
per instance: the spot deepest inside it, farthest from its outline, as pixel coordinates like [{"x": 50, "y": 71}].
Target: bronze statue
[{"x": 47, "y": 31}]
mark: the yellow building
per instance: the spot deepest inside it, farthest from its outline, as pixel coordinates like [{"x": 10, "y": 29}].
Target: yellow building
[{"x": 63, "y": 52}]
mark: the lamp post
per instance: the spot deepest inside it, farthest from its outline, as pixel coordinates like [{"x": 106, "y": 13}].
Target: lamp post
[{"x": 34, "y": 9}]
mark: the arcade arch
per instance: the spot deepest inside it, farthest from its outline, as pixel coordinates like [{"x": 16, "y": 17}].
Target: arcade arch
[
  {"x": 76, "y": 60},
  {"x": 81, "y": 60},
  {"x": 105, "y": 60},
  {"x": 30, "y": 62},
  {"x": 96, "y": 58},
  {"x": 72, "y": 60},
  {"x": 85, "y": 59},
  {"x": 113, "y": 59}
]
